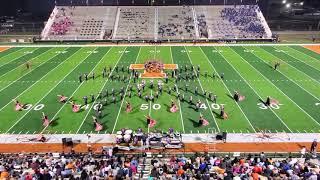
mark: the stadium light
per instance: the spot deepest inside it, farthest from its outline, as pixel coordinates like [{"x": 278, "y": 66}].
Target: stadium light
[
  {"x": 301, "y": 3},
  {"x": 288, "y": 5},
  {"x": 284, "y": 1}
]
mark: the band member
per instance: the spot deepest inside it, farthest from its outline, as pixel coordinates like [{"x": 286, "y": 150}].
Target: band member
[
  {"x": 169, "y": 90},
  {"x": 175, "y": 87},
  {"x": 270, "y": 101},
  {"x": 203, "y": 121},
  {"x": 150, "y": 122},
  {"x": 236, "y": 96},
  {"x": 173, "y": 107},
  {"x": 166, "y": 79},
  {"x": 62, "y": 98},
  {"x": 198, "y": 68},
  {"x": 204, "y": 93},
  {"x": 75, "y": 107},
  {"x": 196, "y": 91},
  {"x": 85, "y": 100},
  {"x": 151, "y": 98},
  {"x": 128, "y": 107},
  {"x": 28, "y": 65},
  {"x": 45, "y": 120},
  {"x": 17, "y": 105},
  {"x": 223, "y": 114},
  {"x": 104, "y": 74},
  {"x": 97, "y": 125},
  {"x": 206, "y": 74},
  {"x": 198, "y": 105},
  {"x": 151, "y": 84},
  {"x": 190, "y": 100},
  {"x": 160, "y": 89},
  {"x": 93, "y": 75},
  {"x": 129, "y": 94},
  {"x": 112, "y": 92},
  {"x": 113, "y": 99},
  {"x": 122, "y": 90},
  {"x": 146, "y": 98},
  {"x": 86, "y": 76},
  {"x": 92, "y": 98},
  {"x": 222, "y": 76},
  {"x": 80, "y": 78},
  {"x": 214, "y": 99},
  {"x": 276, "y": 65}
]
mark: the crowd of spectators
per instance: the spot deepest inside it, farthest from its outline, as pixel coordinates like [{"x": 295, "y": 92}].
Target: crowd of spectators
[
  {"x": 252, "y": 167},
  {"x": 62, "y": 22},
  {"x": 108, "y": 166},
  {"x": 179, "y": 23},
  {"x": 245, "y": 18}
]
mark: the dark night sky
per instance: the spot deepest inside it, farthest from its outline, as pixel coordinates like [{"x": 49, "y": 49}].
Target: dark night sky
[{"x": 38, "y": 7}]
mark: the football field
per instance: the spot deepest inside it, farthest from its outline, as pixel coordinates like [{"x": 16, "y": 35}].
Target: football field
[{"x": 248, "y": 69}]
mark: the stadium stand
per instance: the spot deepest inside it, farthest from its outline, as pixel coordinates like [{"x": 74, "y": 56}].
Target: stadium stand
[
  {"x": 80, "y": 23},
  {"x": 176, "y": 23},
  {"x": 135, "y": 23},
  {"x": 109, "y": 166},
  {"x": 156, "y": 23},
  {"x": 232, "y": 22}
]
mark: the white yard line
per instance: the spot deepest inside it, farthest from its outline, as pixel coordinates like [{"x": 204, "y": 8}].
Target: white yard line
[
  {"x": 278, "y": 88},
  {"x": 228, "y": 90},
  {"x": 30, "y": 70},
  {"x": 76, "y": 88},
  {"x": 36, "y": 81},
  {"x": 211, "y": 111},
  {"x": 291, "y": 79},
  {"x": 181, "y": 117},
  {"x": 125, "y": 93},
  {"x": 20, "y": 56},
  {"x": 255, "y": 91},
  {"x": 46, "y": 94},
  {"x": 100, "y": 90}
]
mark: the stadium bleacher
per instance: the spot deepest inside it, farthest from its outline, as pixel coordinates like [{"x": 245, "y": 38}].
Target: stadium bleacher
[
  {"x": 80, "y": 23},
  {"x": 156, "y": 23},
  {"x": 135, "y": 23},
  {"x": 197, "y": 166}
]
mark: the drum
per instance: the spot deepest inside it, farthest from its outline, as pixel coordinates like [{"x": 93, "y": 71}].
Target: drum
[
  {"x": 127, "y": 138},
  {"x": 128, "y": 131},
  {"x": 119, "y": 138},
  {"x": 119, "y": 133}
]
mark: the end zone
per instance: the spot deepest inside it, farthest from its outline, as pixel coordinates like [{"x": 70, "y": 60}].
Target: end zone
[
  {"x": 314, "y": 48},
  {"x": 4, "y": 49}
]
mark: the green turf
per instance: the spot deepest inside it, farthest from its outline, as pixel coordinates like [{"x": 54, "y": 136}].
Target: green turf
[{"x": 247, "y": 69}]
